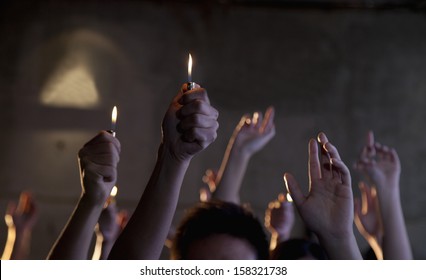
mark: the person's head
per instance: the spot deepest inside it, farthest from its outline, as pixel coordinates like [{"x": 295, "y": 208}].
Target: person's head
[
  {"x": 298, "y": 249},
  {"x": 219, "y": 230}
]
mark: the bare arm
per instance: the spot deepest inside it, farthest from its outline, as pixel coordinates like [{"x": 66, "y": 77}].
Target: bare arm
[
  {"x": 98, "y": 169},
  {"x": 382, "y": 167},
  {"x": 250, "y": 136},
  {"x": 189, "y": 127},
  {"x": 328, "y": 208}
]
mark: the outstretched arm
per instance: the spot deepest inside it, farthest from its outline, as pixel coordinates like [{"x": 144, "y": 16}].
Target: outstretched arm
[
  {"x": 189, "y": 127},
  {"x": 98, "y": 170},
  {"x": 328, "y": 208},
  {"x": 382, "y": 167},
  {"x": 250, "y": 136},
  {"x": 20, "y": 221}
]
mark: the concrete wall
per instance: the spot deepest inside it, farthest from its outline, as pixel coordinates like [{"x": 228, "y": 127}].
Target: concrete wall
[{"x": 340, "y": 71}]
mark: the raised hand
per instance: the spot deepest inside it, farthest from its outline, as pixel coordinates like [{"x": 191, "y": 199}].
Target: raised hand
[
  {"x": 20, "y": 220},
  {"x": 24, "y": 215},
  {"x": 250, "y": 135},
  {"x": 209, "y": 179},
  {"x": 98, "y": 166},
  {"x": 196, "y": 122},
  {"x": 253, "y": 133},
  {"x": 380, "y": 164},
  {"x": 328, "y": 208},
  {"x": 368, "y": 219},
  {"x": 279, "y": 220}
]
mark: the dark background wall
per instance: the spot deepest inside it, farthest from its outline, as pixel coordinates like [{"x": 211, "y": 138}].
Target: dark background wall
[{"x": 340, "y": 70}]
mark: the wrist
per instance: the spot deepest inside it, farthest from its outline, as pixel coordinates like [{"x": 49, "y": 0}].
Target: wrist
[
  {"x": 165, "y": 153},
  {"x": 92, "y": 201},
  {"x": 241, "y": 151},
  {"x": 343, "y": 248}
]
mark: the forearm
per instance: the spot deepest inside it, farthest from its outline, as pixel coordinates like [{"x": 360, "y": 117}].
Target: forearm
[
  {"x": 396, "y": 244},
  {"x": 231, "y": 175},
  {"x": 74, "y": 241},
  {"x": 145, "y": 234}
]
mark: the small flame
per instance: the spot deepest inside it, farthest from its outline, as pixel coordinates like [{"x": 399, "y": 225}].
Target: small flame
[
  {"x": 114, "y": 116},
  {"x": 114, "y": 191},
  {"x": 289, "y": 198},
  {"x": 190, "y": 69},
  {"x": 113, "y": 120}
]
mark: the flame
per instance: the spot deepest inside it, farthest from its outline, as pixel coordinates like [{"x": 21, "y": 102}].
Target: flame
[
  {"x": 114, "y": 191},
  {"x": 190, "y": 68},
  {"x": 289, "y": 198},
  {"x": 114, "y": 115}
]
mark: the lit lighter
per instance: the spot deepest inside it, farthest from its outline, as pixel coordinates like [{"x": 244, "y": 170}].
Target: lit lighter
[
  {"x": 190, "y": 84},
  {"x": 113, "y": 121}
]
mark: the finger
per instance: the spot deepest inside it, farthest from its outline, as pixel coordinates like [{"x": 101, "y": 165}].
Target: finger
[
  {"x": 205, "y": 194},
  {"x": 364, "y": 199},
  {"x": 394, "y": 155},
  {"x": 197, "y": 107},
  {"x": 332, "y": 150},
  {"x": 325, "y": 166},
  {"x": 313, "y": 162},
  {"x": 370, "y": 139},
  {"x": 257, "y": 120},
  {"x": 103, "y": 159},
  {"x": 104, "y": 137},
  {"x": 197, "y": 120},
  {"x": 322, "y": 138},
  {"x": 192, "y": 95},
  {"x": 268, "y": 121},
  {"x": 122, "y": 218},
  {"x": 99, "y": 148},
  {"x": 343, "y": 170},
  {"x": 333, "y": 153},
  {"x": 11, "y": 208},
  {"x": 357, "y": 208},
  {"x": 201, "y": 133},
  {"x": 294, "y": 189},
  {"x": 370, "y": 150},
  {"x": 99, "y": 173},
  {"x": 23, "y": 203},
  {"x": 184, "y": 87}
]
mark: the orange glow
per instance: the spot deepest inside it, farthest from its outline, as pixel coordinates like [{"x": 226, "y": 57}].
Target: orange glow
[{"x": 114, "y": 191}]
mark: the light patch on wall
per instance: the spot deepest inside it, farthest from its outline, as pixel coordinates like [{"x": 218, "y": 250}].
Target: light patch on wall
[{"x": 71, "y": 86}]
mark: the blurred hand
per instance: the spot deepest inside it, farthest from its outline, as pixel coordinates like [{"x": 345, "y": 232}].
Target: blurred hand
[
  {"x": 367, "y": 213},
  {"x": 279, "y": 217},
  {"x": 380, "y": 164},
  {"x": 111, "y": 222},
  {"x": 22, "y": 216},
  {"x": 253, "y": 133}
]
